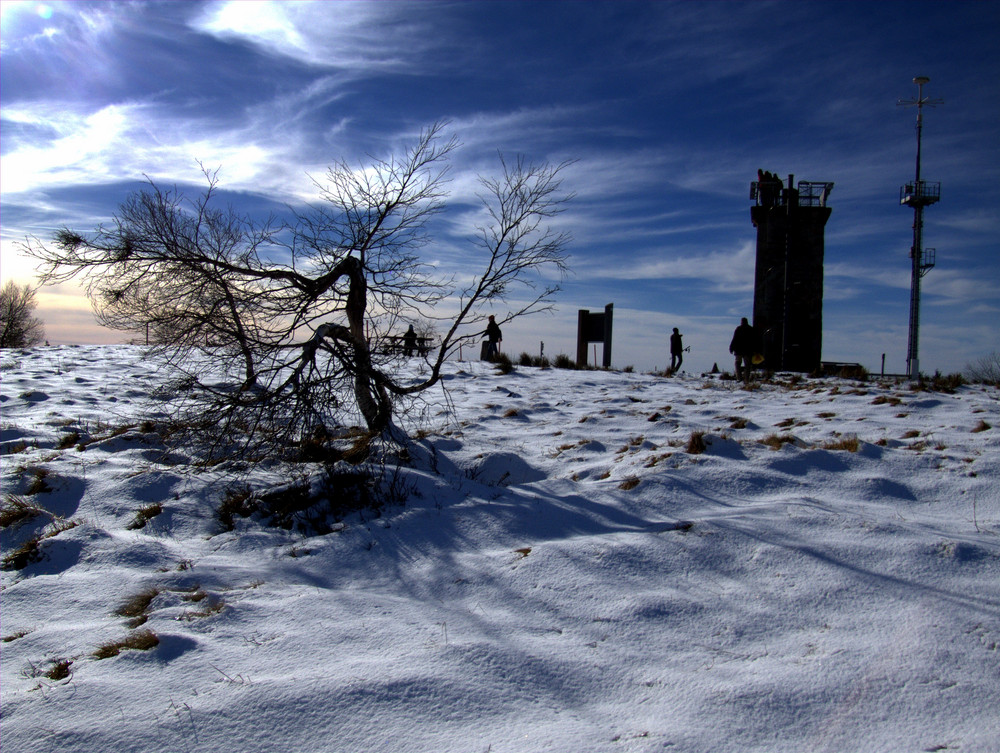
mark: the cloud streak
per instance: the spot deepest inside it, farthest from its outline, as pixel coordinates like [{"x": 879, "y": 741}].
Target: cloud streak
[{"x": 366, "y": 37}]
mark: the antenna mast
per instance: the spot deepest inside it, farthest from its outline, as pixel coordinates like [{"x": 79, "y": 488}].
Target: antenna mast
[{"x": 918, "y": 195}]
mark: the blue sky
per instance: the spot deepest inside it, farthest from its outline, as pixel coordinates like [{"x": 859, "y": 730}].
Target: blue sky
[{"x": 667, "y": 108}]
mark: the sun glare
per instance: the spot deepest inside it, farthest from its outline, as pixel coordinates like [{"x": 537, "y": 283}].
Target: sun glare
[{"x": 11, "y": 8}]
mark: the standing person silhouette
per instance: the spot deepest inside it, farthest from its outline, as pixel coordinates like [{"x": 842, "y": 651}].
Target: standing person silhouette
[
  {"x": 676, "y": 351},
  {"x": 743, "y": 345},
  {"x": 494, "y": 337},
  {"x": 409, "y": 341}
]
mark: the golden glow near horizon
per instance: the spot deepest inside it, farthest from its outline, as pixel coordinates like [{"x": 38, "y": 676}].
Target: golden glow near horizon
[{"x": 64, "y": 309}]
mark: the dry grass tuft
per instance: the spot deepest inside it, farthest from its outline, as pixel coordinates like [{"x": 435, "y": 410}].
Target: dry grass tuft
[
  {"x": 849, "y": 443},
  {"x": 775, "y": 441},
  {"x": 503, "y": 363},
  {"x": 15, "y": 448},
  {"x": 981, "y": 426},
  {"x": 31, "y": 550},
  {"x": 568, "y": 446},
  {"x": 68, "y": 440},
  {"x": 883, "y": 400},
  {"x": 237, "y": 501},
  {"x": 144, "y": 515},
  {"x": 142, "y": 640},
  {"x": 696, "y": 443},
  {"x": 59, "y": 670},
  {"x": 16, "y": 509},
  {"x": 38, "y": 483},
  {"x": 946, "y": 383},
  {"x": 136, "y": 607},
  {"x": 657, "y": 459},
  {"x": 629, "y": 483}
]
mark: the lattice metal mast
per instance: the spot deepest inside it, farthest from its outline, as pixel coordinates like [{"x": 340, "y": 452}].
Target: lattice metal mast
[{"x": 918, "y": 195}]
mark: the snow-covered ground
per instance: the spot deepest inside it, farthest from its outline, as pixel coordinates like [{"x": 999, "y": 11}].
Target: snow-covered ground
[{"x": 563, "y": 576}]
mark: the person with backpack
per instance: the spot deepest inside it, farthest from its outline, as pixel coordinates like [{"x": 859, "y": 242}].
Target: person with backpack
[{"x": 743, "y": 345}]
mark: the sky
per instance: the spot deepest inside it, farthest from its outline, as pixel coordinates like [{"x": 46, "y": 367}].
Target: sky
[{"x": 666, "y": 110}]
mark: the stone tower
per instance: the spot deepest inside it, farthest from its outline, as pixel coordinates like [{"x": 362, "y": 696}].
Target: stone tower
[{"x": 788, "y": 280}]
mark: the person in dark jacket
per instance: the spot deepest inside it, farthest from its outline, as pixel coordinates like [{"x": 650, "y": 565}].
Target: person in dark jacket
[
  {"x": 676, "y": 351},
  {"x": 743, "y": 346},
  {"x": 494, "y": 336},
  {"x": 409, "y": 341}
]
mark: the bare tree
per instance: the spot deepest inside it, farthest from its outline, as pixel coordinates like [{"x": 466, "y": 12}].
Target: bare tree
[
  {"x": 985, "y": 369},
  {"x": 19, "y": 327},
  {"x": 296, "y": 314}
]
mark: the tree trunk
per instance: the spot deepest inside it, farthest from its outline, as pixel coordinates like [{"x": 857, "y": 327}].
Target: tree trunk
[{"x": 373, "y": 400}]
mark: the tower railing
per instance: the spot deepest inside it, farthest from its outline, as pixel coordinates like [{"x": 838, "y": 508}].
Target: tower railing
[
  {"x": 814, "y": 194},
  {"x": 808, "y": 194},
  {"x": 927, "y": 260},
  {"x": 920, "y": 193}
]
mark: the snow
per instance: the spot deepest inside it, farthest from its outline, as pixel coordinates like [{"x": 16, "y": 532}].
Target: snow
[{"x": 562, "y": 576}]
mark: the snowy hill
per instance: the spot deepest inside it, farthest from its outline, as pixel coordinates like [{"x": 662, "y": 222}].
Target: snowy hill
[{"x": 571, "y": 570}]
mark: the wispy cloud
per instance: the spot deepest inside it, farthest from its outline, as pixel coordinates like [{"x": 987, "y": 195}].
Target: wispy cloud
[
  {"x": 722, "y": 269},
  {"x": 119, "y": 143},
  {"x": 355, "y": 36}
]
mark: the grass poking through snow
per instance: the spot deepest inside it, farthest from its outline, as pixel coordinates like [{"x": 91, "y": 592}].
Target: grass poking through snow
[{"x": 143, "y": 640}]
